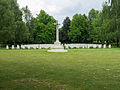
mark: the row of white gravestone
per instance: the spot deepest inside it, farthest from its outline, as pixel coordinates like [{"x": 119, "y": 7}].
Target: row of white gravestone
[
  {"x": 38, "y": 46},
  {"x": 13, "y": 47},
  {"x": 87, "y": 46},
  {"x": 33, "y": 46},
  {"x": 46, "y": 46}
]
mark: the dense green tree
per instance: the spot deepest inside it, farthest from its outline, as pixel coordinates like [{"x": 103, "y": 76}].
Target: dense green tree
[
  {"x": 31, "y": 30},
  {"x": 109, "y": 22},
  {"x": 98, "y": 26},
  {"x": 29, "y": 20},
  {"x": 91, "y": 17},
  {"x": 20, "y": 31},
  {"x": 26, "y": 14},
  {"x": 6, "y": 22},
  {"x": 64, "y": 30},
  {"x": 114, "y": 23},
  {"x": 92, "y": 14},
  {"x": 95, "y": 32},
  {"x": 19, "y": 26},
  {"x": 103, "y": 22},
  {"x": 44, "y": 30},
  {"x": 78, "y": 29},
  {"x": 99, "y": 32},
  {"x": 85, "y": 16},
  {"x": 16, "y": 10}
]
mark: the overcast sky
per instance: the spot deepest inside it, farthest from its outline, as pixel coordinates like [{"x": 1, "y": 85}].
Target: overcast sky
[{"x": 59, "y": 9}]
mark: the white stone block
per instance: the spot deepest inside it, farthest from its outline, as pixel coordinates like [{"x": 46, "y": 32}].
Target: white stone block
[
  {"x": 67, "y": 46},
  {"x": 94, "y": 46},
  {"x": 18, "y": 47},
  {"x": 57, "y": 50},
  {"x": 88, "y": 46},
  {"x": 7, "y": 47},
  {"x": 22, "y": 46},
  {"x": 13, "y": 47},
  {"x": 99, "y": 46},
  {"x": 109, "y": 45},
  {"x": 28, "y": 46},
  {"x": 104, "y": 46},
  {"x": 83, "y": 46},
  {"x": 34, "y": 47},
  {"x": 40, "y": 47}
]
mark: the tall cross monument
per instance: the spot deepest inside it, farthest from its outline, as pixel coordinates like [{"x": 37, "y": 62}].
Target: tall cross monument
[
  {"x": 57, "y": 47},
  {"x": 57, "y": 33}
]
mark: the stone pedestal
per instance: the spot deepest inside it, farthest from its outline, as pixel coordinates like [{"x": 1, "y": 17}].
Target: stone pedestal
[{"x": 57, "y": 47}]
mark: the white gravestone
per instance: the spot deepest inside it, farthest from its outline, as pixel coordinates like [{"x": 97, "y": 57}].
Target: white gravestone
[
  {"x": 104, "y": 46},
  {"x": 66, "y": 46},
  {"x": 109, "y": 45},
  {"x": 28, "y": 46},
  {"x": 7, "y": 47},
  {"x": 39, "y": 47},
  {"x": 57, "y": 45},
  {"x": 18, "y": 47},
  {"x": 88, "y": 46},
  {"x": 95, "y": 46},
  {"x": 34, "y": 47},
  {"x": 22, "y": 46},
  {"x": 83, "y": 46},
  {"x": 13, "y": 47},
  {"x": 99, "y": 46}
]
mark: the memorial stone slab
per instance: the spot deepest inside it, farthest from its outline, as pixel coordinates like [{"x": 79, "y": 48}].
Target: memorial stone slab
[
  {"x": 104, "y": 46},
  {"x": 109, "y": 45},
  {"x": 18, "y": 47},
  {"x": 13, "y": 47},
  {"x": 7, "y": 47}
]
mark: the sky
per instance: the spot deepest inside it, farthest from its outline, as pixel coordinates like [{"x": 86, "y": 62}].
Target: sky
[{"x": 60, "y": 9}]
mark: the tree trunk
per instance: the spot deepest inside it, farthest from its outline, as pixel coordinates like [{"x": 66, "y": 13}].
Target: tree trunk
[{"x": 118, "y": 42}]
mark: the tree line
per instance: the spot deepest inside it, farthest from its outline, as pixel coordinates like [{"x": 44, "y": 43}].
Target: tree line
[{"x": 18, "y": 26}]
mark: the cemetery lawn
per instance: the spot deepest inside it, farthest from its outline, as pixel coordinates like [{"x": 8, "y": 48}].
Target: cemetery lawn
[{"x": 79, "y": 69}]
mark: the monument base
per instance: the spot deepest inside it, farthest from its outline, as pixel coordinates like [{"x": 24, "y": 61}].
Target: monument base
[
  {"x": 57, "y": 47},
  {"x": 57, "y": 50}
]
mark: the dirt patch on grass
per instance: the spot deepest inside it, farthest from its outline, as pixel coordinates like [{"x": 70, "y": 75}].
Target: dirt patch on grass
[{"x": 46, "y": 83}]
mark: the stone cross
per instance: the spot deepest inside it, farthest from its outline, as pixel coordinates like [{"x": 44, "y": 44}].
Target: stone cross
[
  {"x": 57, "y": 31},
  {"x": 58, "y": 47}
]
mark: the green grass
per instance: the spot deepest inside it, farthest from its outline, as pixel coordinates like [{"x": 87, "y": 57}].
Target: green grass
[{"x": 79, "y": 69}]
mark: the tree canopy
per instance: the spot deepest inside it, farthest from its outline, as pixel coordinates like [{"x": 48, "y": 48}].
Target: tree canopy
[
  {"x": 18, "y": 26},
  {"x": 65, "y": 30},
  {"x": 44, "y": 30},
  {"x": 78, "y": 29},
  {"x": 6, "y": 22}
]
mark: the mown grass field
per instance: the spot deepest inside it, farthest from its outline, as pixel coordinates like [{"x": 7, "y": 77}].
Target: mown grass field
[{"x": 79, "y": 69}]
